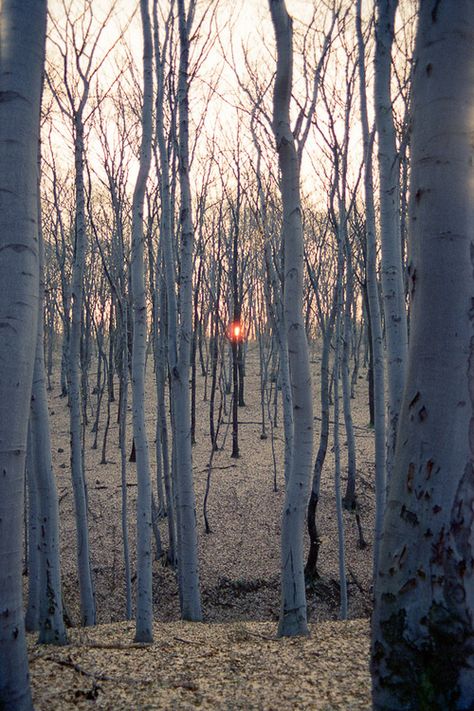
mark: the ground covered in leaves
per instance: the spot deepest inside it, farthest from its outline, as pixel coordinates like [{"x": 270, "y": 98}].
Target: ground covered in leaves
[
  {"x": 240, "y": 558},
  {"x": 207, "y": 666},
  {"x": 233, "y": 660}
]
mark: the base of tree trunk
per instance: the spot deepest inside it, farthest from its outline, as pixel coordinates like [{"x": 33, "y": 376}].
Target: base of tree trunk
[{"x": 293, "y": 624}]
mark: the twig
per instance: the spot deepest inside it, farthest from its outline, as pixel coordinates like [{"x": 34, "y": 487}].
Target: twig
[
  {"x": 356, "y": 581},
  {"x": 188, "y": 641},
  {"x": 100, "y": 677},
  {"x": 69, "y": 663}
]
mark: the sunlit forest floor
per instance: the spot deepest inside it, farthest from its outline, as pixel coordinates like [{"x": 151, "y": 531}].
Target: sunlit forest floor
[{"x": 220, "y": 665}]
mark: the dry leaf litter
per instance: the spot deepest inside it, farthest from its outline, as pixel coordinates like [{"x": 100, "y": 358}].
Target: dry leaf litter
[{"x": 215, "y": 665}]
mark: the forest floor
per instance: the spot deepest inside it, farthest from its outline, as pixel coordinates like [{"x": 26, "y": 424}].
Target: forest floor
[
  {"x": 230, "y": 666},
  {"x": 239, "y": 570}
]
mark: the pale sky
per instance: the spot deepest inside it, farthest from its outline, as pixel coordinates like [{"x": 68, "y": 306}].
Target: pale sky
[{"x": 240, "y": 23}]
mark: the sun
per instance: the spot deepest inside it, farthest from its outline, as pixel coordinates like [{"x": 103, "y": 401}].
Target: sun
[{"x": 235, "y": 331}]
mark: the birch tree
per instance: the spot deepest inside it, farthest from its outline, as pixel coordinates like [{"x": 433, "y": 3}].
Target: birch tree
[
  {"x": 144, "y": 618},
  {"x": 186, "y": 506},
  {"x": 76, "y": 83},
  {"x": 396, "y": 333},
  {"x": 22, "y": 41},
  {"x": 422, "y": 652},
  {"x": 372, "y": 296},
  {"x": 50, "y": 610},
  {"x": 293, "y": 618},
  {"x": 180, "y": 314}
]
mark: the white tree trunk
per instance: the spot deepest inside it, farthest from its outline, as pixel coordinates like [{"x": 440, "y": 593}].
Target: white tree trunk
[
  {"x": 341, "y": 238},
  {"x": 423, "y": 654},
  {"x": 22, "y": 38},
  {"x": 396, "y": 333},
  {"x": 185, "y": 501},
  {"x": 168, "y": 318},
  {"x": 123, "y": 453},
  {"x": 350, "y": 498},
  {"x": 293, "y": 618},
  {"x": 51, "y": 618},
  {"x": 273, "y": 297},
  {"x": 373, "y": 299},
  {"x": 88, "y": 615},
  {"x": 144, "y": 616}
]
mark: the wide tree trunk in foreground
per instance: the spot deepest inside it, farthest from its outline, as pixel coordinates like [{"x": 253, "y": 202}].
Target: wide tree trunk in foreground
[
  {"x": 423, "y": 635},
  {"x": 22, "y": 38},
  {"x": 293, "y": 619}
]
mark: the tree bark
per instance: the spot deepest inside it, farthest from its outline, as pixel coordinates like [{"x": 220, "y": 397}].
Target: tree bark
[
  {"x": 293, "y": 616},
  {"x": 350, "y": 498},
  {"x": 185, "y": 500},
  {"x": 422, "y": 652},
  {"x": 144, "y": 613},
  {"x": 311, "y": 568},
  {"x": 22, "y": 41},
  {"x": 88, "y": 612},
  {"x": 50, "y": 618},
  {"x": 373, "y": 303},
  {"x": 396, "y": 332}
]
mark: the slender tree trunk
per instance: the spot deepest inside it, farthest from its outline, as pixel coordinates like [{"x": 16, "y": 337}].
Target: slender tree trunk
[
  {"x": 64, "y": 357},
  {"x": 341, "y": 238},
  {"x": 396, "y": 333},
  {"x": 169, "y": 314},
  {"x": 236, "y": 314},
  {"x": 369, "y": 355},
  {"x": 51, "y": 618},
  {"x": 349, "y": 500},
  {"x": 22, "y": 39},
  {"x": 214, "y": 351},
  {"x": 311, "y": 568},
  {"x": 187, "y": 538},
  {"x": 110, "y": 370},
  {"x": 32, "y": 541},
  {"x": 144, "y": 614},
  {"x": 50, "y": 345},
  {"x": 422, "y": 650},
  {"x": 235, "y": 400},
  {"x": 196, "y": 321},
  {"x": 373, "y": 303},
  {"x": 337, "y": 472},
  {"x": 170, "y": 510},
  {"x": 241, "y": 370},
  {"x": 158, "y": 338},
  {"x": 123, "y": 403},
  {"x": 263, "y": 377},
  {"x": 293, "y": 617},
  {"x": 88, "y": 613},
  {"x": 283, "y": 374}
]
